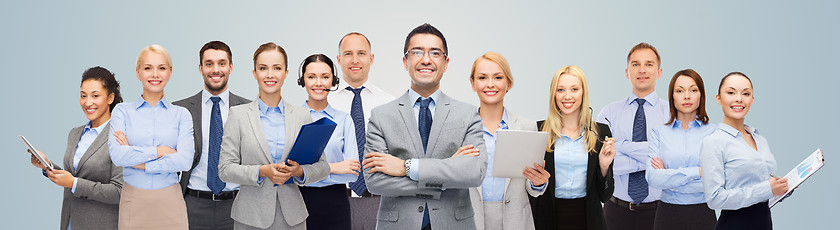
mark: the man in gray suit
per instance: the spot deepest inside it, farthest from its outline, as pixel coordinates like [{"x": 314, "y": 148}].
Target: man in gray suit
[
  {"x": 208, "y": 201},
  {"x": 411, "y": 142}
]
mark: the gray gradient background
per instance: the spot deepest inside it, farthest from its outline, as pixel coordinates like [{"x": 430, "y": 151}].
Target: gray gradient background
[{"x": 788, "y": 48}]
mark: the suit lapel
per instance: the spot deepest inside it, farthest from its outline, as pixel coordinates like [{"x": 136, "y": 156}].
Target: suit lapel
[
  {"x": 292, "y": 125},
  {"x": 256, "y": 125},
  {"x": 194, "y": 106},
  {"x": 441, "y": 114},
  {"x": 75, "y": 135},
  {"x": 507, "y": 183},
  {"x": 94, "y": 147},
  {"x": 407, "y": 112}
]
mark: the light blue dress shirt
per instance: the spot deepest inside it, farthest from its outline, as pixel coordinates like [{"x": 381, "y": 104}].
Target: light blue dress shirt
[
  {"x": 87, "y": 138},
  {"x": 146, "y": 127},
  {"x": 679, "y": 150},
  {"x": 273, "y": 120},
  {"x": 342, "y": 144},
  {"x": 414, "y": 173},
  {"x": 570, "y": 161},
  {"x": 734, "y": 174},
  {"x": 493, "y": 188},
  {"x": 632, "y": 156},
  {"x": 198, "y": 178}
]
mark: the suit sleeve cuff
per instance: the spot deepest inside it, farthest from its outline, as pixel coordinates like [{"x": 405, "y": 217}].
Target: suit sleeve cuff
[
  {"x": 301, "y": 180},
  {"x": 75, "y": 181},
  {"x": 414, "y": 172}
]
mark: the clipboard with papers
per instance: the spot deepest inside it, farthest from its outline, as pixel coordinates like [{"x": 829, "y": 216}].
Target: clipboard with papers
[
  {"x": 311, "y": 141},
  {"x": 800, "y": 173},
  {"x": 516, "y": 150},
  {"x": 32, "y": 149}
]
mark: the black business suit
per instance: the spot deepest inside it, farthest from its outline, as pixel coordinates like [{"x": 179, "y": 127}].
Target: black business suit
[
  {"x": 599, "y": 189},
  {"x": 204, "y": 211}
]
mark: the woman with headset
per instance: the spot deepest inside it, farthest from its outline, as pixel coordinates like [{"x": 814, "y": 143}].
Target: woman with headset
[{"x": 326, "y": 200}]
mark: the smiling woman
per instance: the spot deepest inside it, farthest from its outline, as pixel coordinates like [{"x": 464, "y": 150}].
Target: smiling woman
[
  {"x": 737, "y": 163},
  {"x": 152, "y": 141}
]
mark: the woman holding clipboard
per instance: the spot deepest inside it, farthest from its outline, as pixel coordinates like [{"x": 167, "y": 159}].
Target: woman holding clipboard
[
  {"x": 500, "y": 203},
  {"x": 326, "y": 200},
  {"x": 737, "y": 163},
  {"x": 91, "y": 182},
  {"x": 255, "y": 146},
  {"x": 578, "y": 156}
]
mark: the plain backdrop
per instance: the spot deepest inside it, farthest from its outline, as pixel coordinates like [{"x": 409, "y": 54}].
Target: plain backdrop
[{"x": 788, "y": 48}]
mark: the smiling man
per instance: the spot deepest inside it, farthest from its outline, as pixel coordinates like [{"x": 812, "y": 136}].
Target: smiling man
[
  {"x": 358, "y": 99},
  {"x": 208, "y": 199},
  {"x": 412, "y": 142},
  {"x": 633, "y": 205}
]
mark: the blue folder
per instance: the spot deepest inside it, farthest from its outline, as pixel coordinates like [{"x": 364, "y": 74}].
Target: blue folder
[{"x": 311, "y": 141}]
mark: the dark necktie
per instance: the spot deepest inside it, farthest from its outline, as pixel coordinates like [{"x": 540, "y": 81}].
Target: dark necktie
[
  {"x": 358, "y": 115},
  {"x": 637, "y": 186},
  {"x": 425, "y": 126},
  {"x": 424, "y": 120},
  {"x": 215, "y": 143}
]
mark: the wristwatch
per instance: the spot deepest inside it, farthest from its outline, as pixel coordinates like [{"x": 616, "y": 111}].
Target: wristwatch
[{"x": 407, "y": 166}]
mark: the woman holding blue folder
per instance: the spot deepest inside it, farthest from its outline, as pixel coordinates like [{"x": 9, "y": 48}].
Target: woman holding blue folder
[
  {"x": 255, "y": 146},
  {"x": 326, "y": 200}
]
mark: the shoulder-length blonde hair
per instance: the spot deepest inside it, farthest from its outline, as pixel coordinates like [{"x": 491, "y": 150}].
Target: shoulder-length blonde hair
[
  {"x": 553, "y": 124},
  {"x": 154, "y": 49}
]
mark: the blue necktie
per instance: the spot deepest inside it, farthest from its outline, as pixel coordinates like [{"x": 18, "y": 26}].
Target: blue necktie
[
  {"x": 215, "y": 144},
  {"x": 637, "y": 186},
  {"x": 424, "y": 120},
  {"x": 358, "y": 115},
  {"x": 425, "y": 126}
]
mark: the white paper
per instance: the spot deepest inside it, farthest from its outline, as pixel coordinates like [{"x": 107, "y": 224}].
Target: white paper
[{"x": 800, "y": 173}]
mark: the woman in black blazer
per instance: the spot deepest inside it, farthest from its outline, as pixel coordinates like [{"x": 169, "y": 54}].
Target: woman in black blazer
[{"x": 578, "y": 205}]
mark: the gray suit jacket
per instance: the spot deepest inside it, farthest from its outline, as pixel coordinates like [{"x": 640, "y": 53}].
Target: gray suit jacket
[
  {"x": 517, "y": 208},
  {"x": 193, "y": 104},
  {"x": 95, "y": 205},
  {"x": 244, "y": 149},
  {"x": 443, "y": 180}
]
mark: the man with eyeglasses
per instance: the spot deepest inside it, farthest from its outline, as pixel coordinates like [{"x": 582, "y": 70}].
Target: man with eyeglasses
[{"x": 424, "y": 150}]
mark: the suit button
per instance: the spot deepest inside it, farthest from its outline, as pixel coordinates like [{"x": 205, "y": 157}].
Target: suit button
[
  {"x": 420, "y": 209},
  {"x": 507, "y": 201}
]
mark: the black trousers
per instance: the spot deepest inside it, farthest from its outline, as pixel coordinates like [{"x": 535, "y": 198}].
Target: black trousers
[
  {"x": 328, "y": 207},
  {"x": 203, "y": 213},
  {"x": 688, "y": 217},
  {"x": 756, "y": 217},
  {"x": 570, "y": 214},
  {"x": 621, "y": 218}
]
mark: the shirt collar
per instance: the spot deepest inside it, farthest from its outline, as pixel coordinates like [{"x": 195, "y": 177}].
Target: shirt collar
[
  {"x": 503, "y": 124},
  {"x": 97, "y": 129},
  {"x": 414, "y": 95},
  {"x": 329, "y": 110},
  {"x": 163, "y": 102},
  {"x": 205, "y": 96},
  {"x": 651, "y": 98},
  {"x": 734, "y": 132},
  {"x": 264, "y": 108},
  {"x": 692, "y": 124}
]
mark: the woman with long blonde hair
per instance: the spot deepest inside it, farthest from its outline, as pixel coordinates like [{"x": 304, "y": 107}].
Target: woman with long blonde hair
[{"x": 578, "y": 157}]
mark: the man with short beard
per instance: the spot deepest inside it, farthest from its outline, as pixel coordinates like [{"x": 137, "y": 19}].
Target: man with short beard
[{"x": 209, "y": 200}]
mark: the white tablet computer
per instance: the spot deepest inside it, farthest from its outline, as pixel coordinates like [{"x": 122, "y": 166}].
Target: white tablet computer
[
  {"x": 35, "y": 152},
  {"x": 516, "y": 150}
]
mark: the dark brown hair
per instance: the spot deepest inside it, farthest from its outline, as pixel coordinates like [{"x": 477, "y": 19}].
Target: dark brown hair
[
  {"x": 109, "y": 82},
  {"x": 426, "y": 28},
  {"x": 215, "y": 45},
  {"x": 730, "y": 74},
  {"x": 701, "y": 111},
  {"x": 271, "y": 46}
]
